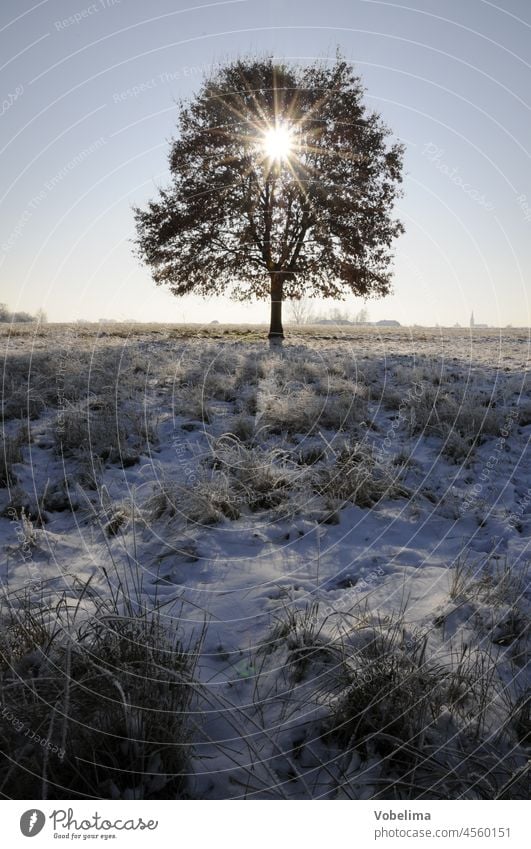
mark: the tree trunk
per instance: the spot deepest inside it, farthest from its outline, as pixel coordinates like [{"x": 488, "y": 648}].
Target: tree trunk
[{"x": 276, "y": 332}]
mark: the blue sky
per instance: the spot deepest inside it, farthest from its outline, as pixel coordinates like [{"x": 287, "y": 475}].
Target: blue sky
[{"x": 88, "y": 96}]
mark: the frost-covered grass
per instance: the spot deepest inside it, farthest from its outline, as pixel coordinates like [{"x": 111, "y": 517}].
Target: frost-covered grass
[
  {"x": 96, "y": 697},
  {"x": 10, "y": 453},
  {"x": 104, "y": 429},
  {"x": 414, "y": 725},
  {"x": 348, "y": 514}
]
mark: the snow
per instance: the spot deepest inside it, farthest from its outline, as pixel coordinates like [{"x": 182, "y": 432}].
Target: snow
[{"x": 242, "y": 572}]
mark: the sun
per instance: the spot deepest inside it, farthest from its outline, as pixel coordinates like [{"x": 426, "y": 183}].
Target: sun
[{"x": 278, "y": 142}]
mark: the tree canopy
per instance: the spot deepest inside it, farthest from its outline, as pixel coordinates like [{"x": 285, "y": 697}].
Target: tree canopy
[{"x": 283, "y": 185}]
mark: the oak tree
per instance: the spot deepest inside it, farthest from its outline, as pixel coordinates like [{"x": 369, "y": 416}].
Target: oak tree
[{"x": 283, "y": 185}]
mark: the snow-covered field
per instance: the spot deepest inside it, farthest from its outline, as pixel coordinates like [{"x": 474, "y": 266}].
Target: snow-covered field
[{"x": 231, "y": 571}]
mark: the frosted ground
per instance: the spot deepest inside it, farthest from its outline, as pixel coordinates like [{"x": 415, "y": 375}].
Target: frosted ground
[{"x": 236, "y": 572}]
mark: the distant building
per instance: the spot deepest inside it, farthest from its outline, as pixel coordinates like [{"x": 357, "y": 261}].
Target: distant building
[
  {"x": 474, "y": 323},
  {"x": 344, "y": 321}
]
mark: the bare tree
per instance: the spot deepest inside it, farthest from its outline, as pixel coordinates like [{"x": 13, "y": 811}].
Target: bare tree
[{"x": 301, "y": 311}]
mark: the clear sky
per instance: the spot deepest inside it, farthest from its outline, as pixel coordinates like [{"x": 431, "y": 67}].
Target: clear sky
[{"x": 88, "y": 94}]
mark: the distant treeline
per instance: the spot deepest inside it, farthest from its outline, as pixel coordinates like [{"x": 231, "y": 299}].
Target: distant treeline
[{"x": 20, "y": 317}]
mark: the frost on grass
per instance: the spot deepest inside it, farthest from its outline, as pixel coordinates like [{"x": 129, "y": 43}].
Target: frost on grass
[
  {"x": 236, "y": 479},
  {"x": 356, "y": 476},
  {"x": 264, "y": 488},
  {"x": 10, "y": 453},
  {"x": 100, "y": 429},
  {"x": 373, "y": 709},
  {"x": 96, "y": 699}
]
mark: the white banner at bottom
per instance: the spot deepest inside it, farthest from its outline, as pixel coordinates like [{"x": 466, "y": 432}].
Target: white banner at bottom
[{"x": 257, "y": 824}]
